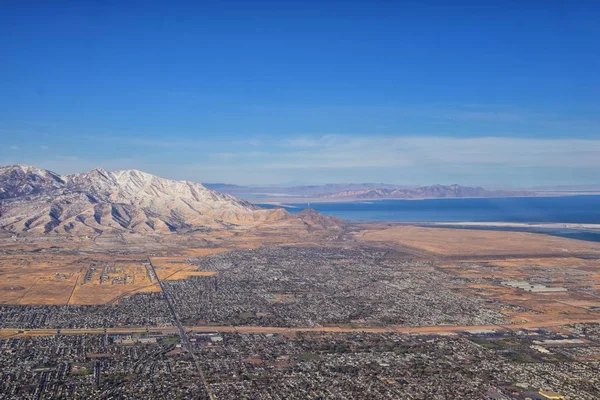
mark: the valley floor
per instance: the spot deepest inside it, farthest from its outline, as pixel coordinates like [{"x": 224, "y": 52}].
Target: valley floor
[{"x": 324, "y": 311}]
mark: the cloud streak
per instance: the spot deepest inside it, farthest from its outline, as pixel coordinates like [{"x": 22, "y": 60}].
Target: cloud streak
[
  {"x": 392, "y": 151},
  {"x": 407, "y": 159}
]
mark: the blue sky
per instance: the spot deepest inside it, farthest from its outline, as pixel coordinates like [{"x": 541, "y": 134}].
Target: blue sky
[{"x": 258, "y": 92}]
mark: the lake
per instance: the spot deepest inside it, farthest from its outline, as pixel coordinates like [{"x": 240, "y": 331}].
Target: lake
[{"x": 567, "y": 209}]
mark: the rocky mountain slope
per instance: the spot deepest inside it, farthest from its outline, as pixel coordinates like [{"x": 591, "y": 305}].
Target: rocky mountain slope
[
  {"x": 424, "y": 192},
  {"x": 315, "y": 220},
  {"x": 40, "y": 201}
]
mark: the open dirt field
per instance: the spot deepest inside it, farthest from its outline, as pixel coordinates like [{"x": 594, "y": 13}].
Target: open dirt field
[
  {"x": 69, "y": 279},
  {"x": 464, "y": 242},
  {"x": 37, "y": 279},
  {"x": 172, "y": 268},
  {"x": 58, "y": 279},
  {"x": 580, "y": 278}
]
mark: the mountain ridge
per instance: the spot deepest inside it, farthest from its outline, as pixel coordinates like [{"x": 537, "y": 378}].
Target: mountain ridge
[
  {"x": 363, "y": 191},
  {"x": 425, "y": 192},
  {"x": 41, "y": 201}
]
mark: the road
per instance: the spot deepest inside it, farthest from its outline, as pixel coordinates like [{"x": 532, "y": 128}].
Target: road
[
  {"x": 184, "y": 339},
  {"x": 423, "y": 330}
]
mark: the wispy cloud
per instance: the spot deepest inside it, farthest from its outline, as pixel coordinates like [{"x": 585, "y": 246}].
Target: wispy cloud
[
  {"x": 392, "y": 151},
  {"x": 408, "y": 159}
]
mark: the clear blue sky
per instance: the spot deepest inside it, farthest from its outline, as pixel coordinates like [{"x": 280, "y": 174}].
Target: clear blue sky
[{"x": 415, "y": 92}]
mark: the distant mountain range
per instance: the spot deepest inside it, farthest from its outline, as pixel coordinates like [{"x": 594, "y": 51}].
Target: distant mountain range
[
  {"x": 255, "y": 192},
  {"x": 40, "y": 201},
  {"x": 425, "y": 192},
  {"x": 364, "y": 191},
  {"x": 34, "y": 200}
]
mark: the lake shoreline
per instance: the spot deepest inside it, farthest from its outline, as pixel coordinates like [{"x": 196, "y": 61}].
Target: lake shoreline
[
  {"x": 550, "y": 225},
  {"x": 568, "y": 216},
  {"x": 295, "y": 201}
]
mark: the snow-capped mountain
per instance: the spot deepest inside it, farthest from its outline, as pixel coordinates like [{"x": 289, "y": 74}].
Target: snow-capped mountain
[
  {"x": 24, "y": 180},
  {"x": 41, "y": 201}
]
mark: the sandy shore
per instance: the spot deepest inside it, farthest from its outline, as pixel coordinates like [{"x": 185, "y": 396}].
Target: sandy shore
[{"x": 555, "y": 225}]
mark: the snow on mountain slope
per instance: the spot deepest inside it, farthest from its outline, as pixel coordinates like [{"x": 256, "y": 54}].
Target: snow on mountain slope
[
  {"x": 24, "y": 180},
  {"x": 40, "y": 201}
]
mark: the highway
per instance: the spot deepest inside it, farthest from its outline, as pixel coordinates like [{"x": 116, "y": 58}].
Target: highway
[
  {"x": 403, "y": 329},
  {"x": 184, "y": 339}
]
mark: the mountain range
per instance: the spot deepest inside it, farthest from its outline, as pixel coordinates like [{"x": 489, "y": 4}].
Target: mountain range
[
  {"x": 362, "y": 191},
  {"x": 424, "y": 192},
  {"x": 40, "y": 201},
  {"x": 35, "y": 200},
  {"x": 257, "y": 192}
]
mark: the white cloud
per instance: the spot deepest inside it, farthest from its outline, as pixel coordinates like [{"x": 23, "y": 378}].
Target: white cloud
[
  {"x": 13, "y": 147},
  {"x": 365, "y": 158},
  {"x": 408, "y": 160},
  {"x": 392, "y": 151}
]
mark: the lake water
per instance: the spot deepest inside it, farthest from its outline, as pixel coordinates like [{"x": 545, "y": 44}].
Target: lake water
[{"x": 568, "y": 209}]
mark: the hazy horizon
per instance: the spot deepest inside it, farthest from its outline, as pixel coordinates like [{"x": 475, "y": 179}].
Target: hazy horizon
[{"x": 372, "y": 185}]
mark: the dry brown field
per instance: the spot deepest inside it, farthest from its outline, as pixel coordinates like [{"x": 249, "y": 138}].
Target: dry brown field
[
  {"x": 34, "y": 277},
  {"x": 37, "y": 278},
  {"x": 176, "y": 267},
  {"x": 581, "y": 277},
  {"x": 466, "y": 242}
]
